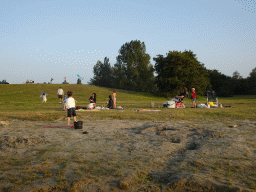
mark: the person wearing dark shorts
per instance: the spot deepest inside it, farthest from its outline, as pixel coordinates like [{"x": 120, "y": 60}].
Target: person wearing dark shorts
[
  {"x": 60, "y": 94},
  {"x": 71, "y": 112},
  {"x": 70, "y": 106}
]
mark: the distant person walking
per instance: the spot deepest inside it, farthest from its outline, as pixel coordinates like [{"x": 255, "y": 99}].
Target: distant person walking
[
  {"x": 114, "y": 98},
  {"x": 193, "y": 98},
  {"x": 60, "y": 93}
]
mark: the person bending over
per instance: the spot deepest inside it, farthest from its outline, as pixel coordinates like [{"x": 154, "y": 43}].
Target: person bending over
[{"x": 183, "y": 94}]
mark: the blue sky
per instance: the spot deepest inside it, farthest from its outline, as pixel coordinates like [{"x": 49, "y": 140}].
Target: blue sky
[{"x": 40, "y": 39}]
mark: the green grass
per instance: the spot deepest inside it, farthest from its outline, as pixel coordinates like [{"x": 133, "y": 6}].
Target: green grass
[{"x": 22, "y": 101}]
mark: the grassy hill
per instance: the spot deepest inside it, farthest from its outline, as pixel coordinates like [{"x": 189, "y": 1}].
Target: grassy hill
[{"x": 23, "y": 101}]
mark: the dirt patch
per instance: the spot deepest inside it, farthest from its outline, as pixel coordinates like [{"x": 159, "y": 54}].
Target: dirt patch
[{"x": 135, "y": 155}]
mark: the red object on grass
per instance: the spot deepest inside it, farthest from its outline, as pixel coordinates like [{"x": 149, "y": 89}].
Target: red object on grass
[
  {"x": 59, "y": 126},
  {"x": 179, "y": 104}
]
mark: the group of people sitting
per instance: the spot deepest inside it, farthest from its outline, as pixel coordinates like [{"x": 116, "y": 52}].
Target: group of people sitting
[
  {"x": 111, "y": 103},
  {"x": 93, "y": 101}
]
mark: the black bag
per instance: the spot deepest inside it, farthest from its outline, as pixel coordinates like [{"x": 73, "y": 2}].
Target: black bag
[{"x": 78, "y": 124}]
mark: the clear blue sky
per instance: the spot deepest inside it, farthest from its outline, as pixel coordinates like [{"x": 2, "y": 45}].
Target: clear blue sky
[{"x": 40, "y": 39}]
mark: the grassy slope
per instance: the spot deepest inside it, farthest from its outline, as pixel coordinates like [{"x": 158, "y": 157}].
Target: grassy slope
[{"x": 23, "y": 101}]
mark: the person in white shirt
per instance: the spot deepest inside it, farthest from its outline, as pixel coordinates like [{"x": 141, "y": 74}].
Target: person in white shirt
[
  {"x": 44, "y": 98},
  {"x": 70, "y": 105},
  {"x": 60, "y": 94}
]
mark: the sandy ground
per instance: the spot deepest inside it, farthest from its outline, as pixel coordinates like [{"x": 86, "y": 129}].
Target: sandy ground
[{"x": 128, "y": 154}]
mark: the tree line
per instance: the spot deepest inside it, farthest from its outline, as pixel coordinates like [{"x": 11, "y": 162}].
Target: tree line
[{"x": 133, "y": 71}]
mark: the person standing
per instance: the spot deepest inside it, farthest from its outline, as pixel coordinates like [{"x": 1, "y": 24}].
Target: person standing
[
  {"x": 64, "y": 106},
  {"x": 114, "y": 98},
  {"x": 44, "y": 98},
  {"x": 60, "y": 94},
  {"x": 193, "y": 98},
  {"x": 70, "y": 104}
]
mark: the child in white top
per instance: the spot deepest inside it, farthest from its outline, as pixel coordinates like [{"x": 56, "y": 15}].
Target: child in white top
[
  {"x": 44, "y": 98},
  {"x": 70, "y": 104}
]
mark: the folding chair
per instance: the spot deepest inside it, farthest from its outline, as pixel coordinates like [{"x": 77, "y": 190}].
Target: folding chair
[{"x": 212, "y": 97}]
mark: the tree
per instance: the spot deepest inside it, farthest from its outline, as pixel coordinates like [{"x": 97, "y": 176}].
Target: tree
[
  {"x": 133, "y": 70},
  {"x": 221, "y": 84},
  {"x": 239, "y": 84},
  {"x": 178, "y": 70},
  {"x": 252, "y": 82},
  {"x": 79, "y": 81},
  {"x": 102, "y": 74},
  {"x": 236, "y": 75}
]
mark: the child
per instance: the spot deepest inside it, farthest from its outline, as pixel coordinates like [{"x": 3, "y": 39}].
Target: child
[
  {"x": 114, "y": 98},
  {"x": 193, "y": 98},
  {"x": 64, "y": 106},
  {"x": 70, "y": 105},
  {"x": 44, "y": 98}
]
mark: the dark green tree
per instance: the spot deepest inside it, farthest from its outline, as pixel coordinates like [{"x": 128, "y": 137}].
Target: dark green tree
[
  {"x": 252, "y": 82},
  {"x": 102, "y": 74},
  {"x": 236, "y": 75},
  {"x": 178, "y": 70},
  {"x": 133, "y": 70},
  {"x": 79, "y": 81},
  {"x": 239, "y": 84},
  {"x": 221, "y": 84}
]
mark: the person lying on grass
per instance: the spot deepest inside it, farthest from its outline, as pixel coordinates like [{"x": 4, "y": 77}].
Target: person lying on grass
[{"x": 70, "y": 106}]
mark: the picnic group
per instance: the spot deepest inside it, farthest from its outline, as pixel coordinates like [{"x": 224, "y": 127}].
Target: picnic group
[{"x": 69, "y": 103}]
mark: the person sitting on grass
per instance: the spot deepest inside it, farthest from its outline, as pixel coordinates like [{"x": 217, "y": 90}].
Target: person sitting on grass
[
  {"x": 110, "y": 102},
  {"x": 70, "y": 105},
  {"x": 92, "y": 99}
]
